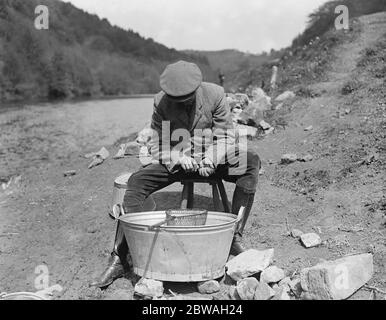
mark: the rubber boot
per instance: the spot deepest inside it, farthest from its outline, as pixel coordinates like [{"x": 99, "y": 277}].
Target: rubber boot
[
  {"x": 240, "y": 199},
  {"x": 118, "y": 265}
]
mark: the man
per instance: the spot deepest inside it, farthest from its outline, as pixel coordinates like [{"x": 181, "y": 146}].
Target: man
[{"x": 198, "y": 113}]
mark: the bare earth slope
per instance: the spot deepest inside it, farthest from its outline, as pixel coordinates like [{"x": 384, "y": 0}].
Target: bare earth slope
[{"x": 63, "y": 222}]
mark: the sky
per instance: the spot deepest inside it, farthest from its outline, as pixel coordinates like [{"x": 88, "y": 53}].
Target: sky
[{"x": 247, "y": 25}]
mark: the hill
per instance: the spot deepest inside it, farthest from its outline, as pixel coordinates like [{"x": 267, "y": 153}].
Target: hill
[
  {"x": 80, "y": 55},
  {"x": 306, "y": 59}
]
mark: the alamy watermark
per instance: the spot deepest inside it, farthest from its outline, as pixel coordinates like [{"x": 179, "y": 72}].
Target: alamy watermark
[
  {"x": 42, "y": 21},
  {"x": 42, "y": 281},
  {"x": 342, "y": 20}
]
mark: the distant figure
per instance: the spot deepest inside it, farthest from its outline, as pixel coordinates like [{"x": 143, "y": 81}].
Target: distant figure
[{"x": 221, "y": 77}]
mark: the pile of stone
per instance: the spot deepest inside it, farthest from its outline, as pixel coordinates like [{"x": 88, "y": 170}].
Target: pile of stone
[{"x": 257, "y": 279}]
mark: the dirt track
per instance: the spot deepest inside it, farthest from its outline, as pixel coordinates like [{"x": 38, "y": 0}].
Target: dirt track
[{"x": 63, "y": 222}]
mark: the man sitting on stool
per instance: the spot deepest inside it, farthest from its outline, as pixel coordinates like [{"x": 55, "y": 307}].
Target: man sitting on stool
[{"x": 198, "y": 113}]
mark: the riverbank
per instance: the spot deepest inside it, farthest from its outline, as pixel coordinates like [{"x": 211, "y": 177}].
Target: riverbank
[{"x": 63, "y": 222}]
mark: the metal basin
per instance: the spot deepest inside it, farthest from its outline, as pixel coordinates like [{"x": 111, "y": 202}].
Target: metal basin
[{"x": 179, "y": 253}]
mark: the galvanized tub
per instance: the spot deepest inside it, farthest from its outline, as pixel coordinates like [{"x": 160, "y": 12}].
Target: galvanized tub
[{"x": 179, "y": 253}]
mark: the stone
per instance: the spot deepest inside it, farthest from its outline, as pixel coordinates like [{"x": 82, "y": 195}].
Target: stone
[
  {"x": 246, "y": 288},
  {"x": 264, "y": 125},
  {"x": 296, "y": 287},
  {"x": 233, "y": 295},
  {"x": 281, "y": 294},
  {"x": 251, "y": 115},
  {"x": 249, "y": 263},
  {"x": 309, "y": 128},
  {"x": 149, "y": 288},
  {"x": 144, "y": 136},
  {"x": 132, "y": 149},
  {"x": 121, "y": 152},
  {"x": 272, "y": 274},
  {"x": 263, "y": 292},
  {"x": 242, "y": 99},
  {"x": 285, "y": 96},
  {"x": 306, "y": 158},
  {"x": 295, "y": 233},
  {"x": 279, "y": 106},
  {"x": 269, "y": 131},
  {"x": 286, "y": 280},
  {"x": 208, "y": 287},
  {"x": 261, "y": 99},
  {"x": 310, "y": 240},
  {"x": 69, "y": 173},
  {"x": 244, "y": 130},
  {"x": 337, "y": 280},
  {"x": 288, "y": 158}
]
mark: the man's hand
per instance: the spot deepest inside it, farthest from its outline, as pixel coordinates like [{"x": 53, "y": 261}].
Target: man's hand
[
  {"x": 206, "y": 168},
  {"x": 188, "y": 164}
]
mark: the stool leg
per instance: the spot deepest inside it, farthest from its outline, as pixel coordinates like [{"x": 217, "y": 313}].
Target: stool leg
[
  {"x": 216, "y": 198},
  {"x": 190, "y": 195},
  {"x": 185, "y": 197},
  {"x": 224, "y": 197}
]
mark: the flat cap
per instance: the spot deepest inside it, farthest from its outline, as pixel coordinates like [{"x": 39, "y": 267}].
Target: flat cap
[{"x": 180, "y": 79}]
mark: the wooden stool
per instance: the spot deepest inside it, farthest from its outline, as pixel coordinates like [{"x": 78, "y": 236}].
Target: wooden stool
[{"x": 187, "y": 198}]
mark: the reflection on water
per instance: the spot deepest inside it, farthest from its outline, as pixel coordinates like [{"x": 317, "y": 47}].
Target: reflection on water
[{"x": 34, "y": 135}]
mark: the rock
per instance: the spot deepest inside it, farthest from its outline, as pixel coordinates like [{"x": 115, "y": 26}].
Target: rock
[
  {"x": 295, "y": 233},
  {"x": 272, "y": 274},
  {"x": 246, "y": 288},
  {"x": 144, "y": 136},
  {"x": 281, "y": 294},
  {"x": 347, "y": 111},
  {"x": 244, "y": 130},
  {"x": 95, "y": 162},
  {"x": 309, "y": 128},
  {"x": 103, "y": 153},
  {"x": 288, "y": 158},
  {"x": 149, "y": 288},
  {"x": 296, "y": 287},
  {"x": 233, "y": 295},
  {"x": 306, "y": 158},
  {"x": 286, "y": 280},
  {"x": 249, "y": 263},
  {"x": 310, "y": 240},
  {"x": 132, "y": 149},
  {"x": 251, "y": 115},
  {"x": 264, "y": 125},
  {"x": 261, "y": 99},
  {"x": 269, "y": 131},
  {"x": 242, "y": 99},
  {"x": 285, "y": 96},
  {"x": 98, "y": 157},
  {"x": 279, "y": 106},
  {"x": 121, "y": 152},
  {"x": 263, "y": 292},
  {"x": 261, "y": 171},
  {"x": 208, "y": 287},
  {"x": 285, "y": 287},
  {"x": 337, "y": 280},
  {"x": 69, "y": 173}
]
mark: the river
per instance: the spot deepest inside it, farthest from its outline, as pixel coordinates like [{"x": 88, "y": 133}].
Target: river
[{"x": 33, "y": 135}]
